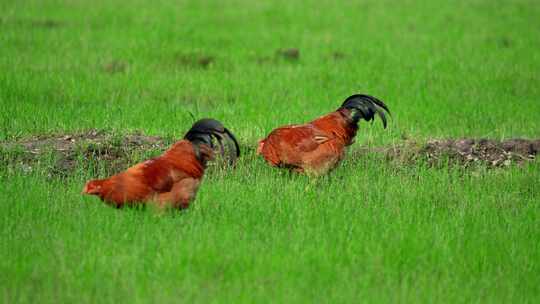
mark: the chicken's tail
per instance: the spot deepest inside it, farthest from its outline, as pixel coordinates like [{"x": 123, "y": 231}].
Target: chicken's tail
[
  {"x": 205, "y": 129},
  {"x": 365, "y": 107}
]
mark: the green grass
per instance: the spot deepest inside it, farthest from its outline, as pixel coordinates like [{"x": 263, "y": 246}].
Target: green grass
[{"x": 371, "y": 231}]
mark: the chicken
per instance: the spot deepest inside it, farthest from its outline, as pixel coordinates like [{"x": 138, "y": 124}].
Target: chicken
[
  {"x": 317, "y": 147},
  {"x": 171, "y": 179}
]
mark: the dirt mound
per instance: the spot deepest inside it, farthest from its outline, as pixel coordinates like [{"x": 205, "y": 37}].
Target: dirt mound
[
  {"x": 92, "y": 150},
  {"x": 115, "y": 67},
  {"x": 193, "y": 60},
  {"x": 63, "y": 142},
  {"x": 466, "y": 152},
  {"x": 97, "y": 153},
  {"x": 491, "y": 152},
  {"x": 103, "y": 153}
]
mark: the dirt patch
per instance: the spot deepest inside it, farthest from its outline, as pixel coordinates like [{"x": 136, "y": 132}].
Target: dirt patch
[
  {"x": 46, "y": 23},
  {"x": 291, "y": 54},
  {"x": 97, "y": 153},
  {"x": 115, "y": 66},
  {"x": 101, "y": 153},
  {"x": 490, "y": 152},
  {"x": 92, "y": 138},
  {"x": 337, "y": 55},
  {"x": 38, "y": 23},
  {"x": 193, "y": 60},
  {"x": 93, "y": 150},
  {"x": 462, "y": 152},
  {"x": 280, "y": 55}
]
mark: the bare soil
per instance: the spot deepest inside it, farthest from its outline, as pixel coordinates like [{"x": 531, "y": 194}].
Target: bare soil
[
  {"x": 280, "y": 55},
  {"x": 100, "y": 150},
  {"x": 193, "y": 60},
  {"x": 491, "y": 152},
  {"x": 291, "y": 54},
  {"x": 89, "y": 150},
  {"x": 115, "y": 66},
  {"x": 465, "y": 152}
]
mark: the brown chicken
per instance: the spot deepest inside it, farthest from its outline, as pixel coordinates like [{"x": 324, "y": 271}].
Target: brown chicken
[
  {"x": 317, "y": 147},
  {"x": 171, "y": 179}
]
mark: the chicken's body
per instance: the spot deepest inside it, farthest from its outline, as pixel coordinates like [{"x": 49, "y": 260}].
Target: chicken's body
[
  {"x": 318, "y": 146},
  {"x": 314, "y": 148},
  {"x": 171, "y": 179}
]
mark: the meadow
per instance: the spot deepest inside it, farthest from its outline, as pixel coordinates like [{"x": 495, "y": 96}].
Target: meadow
[{"x": 371, "y": 231}]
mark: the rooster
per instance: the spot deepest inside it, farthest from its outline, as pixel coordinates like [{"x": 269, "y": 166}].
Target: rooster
[
  {"x": 171, "y": 179},
  {"x": 317, "y": 147}
]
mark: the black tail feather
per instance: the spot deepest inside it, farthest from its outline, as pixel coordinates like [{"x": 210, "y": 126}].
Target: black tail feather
[
  {"x": 202, "y": 132},
  {"x": 365, "y": 107},
  {"x": 236, "y": 146}
]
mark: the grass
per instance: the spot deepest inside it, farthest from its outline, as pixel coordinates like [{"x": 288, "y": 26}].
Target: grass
[{"x": 372, "y": 230}]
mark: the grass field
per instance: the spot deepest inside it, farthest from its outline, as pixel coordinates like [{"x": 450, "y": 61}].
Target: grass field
[{"x": 372, "y": 231}]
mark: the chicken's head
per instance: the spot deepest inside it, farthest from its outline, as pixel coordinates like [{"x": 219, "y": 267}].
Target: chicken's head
[{"x": 92, "y": 187}]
